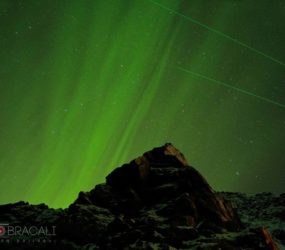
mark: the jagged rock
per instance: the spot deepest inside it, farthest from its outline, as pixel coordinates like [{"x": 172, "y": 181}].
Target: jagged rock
[
  {"x": 165, "y": 176},
  {"x": 260, "y": 210},
  {"x": 136, "y": 172},
  {"x": 268, "y": 239},
  {"x": 156, "y": 201}
]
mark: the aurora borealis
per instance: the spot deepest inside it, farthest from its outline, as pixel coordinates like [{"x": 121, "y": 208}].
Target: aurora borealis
[{"x": 86, "y": 86}]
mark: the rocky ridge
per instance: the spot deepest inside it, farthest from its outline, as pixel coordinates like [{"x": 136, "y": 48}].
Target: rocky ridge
[{"x": 156, "y": 201}]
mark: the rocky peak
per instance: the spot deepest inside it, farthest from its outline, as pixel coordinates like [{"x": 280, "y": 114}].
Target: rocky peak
[{"x": 162, "y": 176}]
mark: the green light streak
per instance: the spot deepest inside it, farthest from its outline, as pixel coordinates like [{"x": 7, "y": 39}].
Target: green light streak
[
  {"x": 231, "y": 87},
  {"x": 88, "y": 87},
  {"x": 218, "y": 32}
]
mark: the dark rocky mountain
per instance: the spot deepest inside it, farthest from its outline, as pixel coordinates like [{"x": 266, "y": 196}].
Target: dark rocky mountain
[{"x": 156, "y": 201}]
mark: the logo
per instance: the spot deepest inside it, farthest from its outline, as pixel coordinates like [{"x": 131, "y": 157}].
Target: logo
[
  {"x": 2, "y": 230},
  {"x": 27, "y": 234}
]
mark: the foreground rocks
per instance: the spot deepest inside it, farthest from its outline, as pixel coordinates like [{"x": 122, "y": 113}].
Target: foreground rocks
[
  {"x": 261, "y": 210},
  {"x": 156, "y": 201}
]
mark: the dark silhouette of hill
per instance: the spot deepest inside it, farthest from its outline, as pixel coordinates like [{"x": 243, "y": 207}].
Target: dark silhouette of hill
[{"x": 156, "y": 201}]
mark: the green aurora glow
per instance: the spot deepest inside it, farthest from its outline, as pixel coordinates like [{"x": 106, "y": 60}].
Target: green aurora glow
[{"x": 86, "y": 86}]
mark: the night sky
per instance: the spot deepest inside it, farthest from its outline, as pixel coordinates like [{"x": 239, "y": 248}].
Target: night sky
[{"x": 87, "y": 85}]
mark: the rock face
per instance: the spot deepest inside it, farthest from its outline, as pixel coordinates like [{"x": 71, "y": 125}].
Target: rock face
[
  {"x": 162, "y": 178},
  {"x": 156, "y": 201}
]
